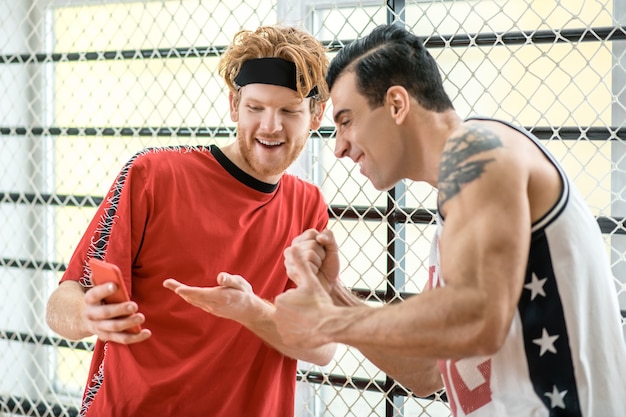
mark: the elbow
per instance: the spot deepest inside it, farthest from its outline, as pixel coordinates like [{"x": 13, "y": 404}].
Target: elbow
[
  {"x": 324, "y": 355},
  {"x": 322, "y": 362},
  {"x": 487, "y": 347},
  {"x": 50, "y": 316},
  {"x": 422, "y": 384},
  {"x": 328, "y": 354},
  {"x": 59, "y": 313},
  {"x": 486, "y": 325},
  {"x": 491, "y": 337},
  {"x": 52, "y": 322},
  {"x": 423, "y": 391}
]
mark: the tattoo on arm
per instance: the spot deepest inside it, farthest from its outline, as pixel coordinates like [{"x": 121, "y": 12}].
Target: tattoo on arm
[{"x": 456, "y": 169}]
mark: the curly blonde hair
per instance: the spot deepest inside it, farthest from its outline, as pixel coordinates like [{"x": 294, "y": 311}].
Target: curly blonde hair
[{"x": 289, "y": 43}]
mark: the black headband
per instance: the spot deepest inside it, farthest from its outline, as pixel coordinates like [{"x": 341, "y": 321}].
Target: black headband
[{"x": 274, "y": 71}]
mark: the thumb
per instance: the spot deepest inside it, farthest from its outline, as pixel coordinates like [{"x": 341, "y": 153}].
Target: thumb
[
  {"x": 327, "y": 240},
  {"x": 172, "y": 284},
  {"x": 233, "y": 281},
  {"x": 306, "y": 278}
]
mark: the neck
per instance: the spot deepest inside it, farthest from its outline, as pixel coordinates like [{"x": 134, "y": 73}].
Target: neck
[
  {"x": 233, "y": 153},
  {"x": 430, "y": 131}
]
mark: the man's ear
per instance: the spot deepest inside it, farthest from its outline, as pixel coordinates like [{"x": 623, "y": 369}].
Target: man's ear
[
  {"x": 399, "y": 102},
  {"x": 317, "y": 116},
  {"x": 233, "y": 100}
]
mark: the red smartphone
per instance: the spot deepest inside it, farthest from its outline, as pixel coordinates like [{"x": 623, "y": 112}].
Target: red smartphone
[{"x": 103, "y": 272}]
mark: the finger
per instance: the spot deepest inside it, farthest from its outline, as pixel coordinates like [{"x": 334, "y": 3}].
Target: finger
[
  {"x": 233, "y": 281},
  {"x": 124, "y": 324},
  {"x": 130, "y": 338},
  {"x": 294, "y": 255},
  {"x": 125, "y": 338},
  {"x": 98, "y": 293},
  {"x": 206, "y": 298},
  {"x": 172, "y": 284},
  {"x": 327, "y": 240},
  {"x": 103, "y": 312},
  {"x": 105, "y": 320},
  {"x": 313, "y": 251},
  {"x": 293, "y": 258},
  {"x": 192, "y": 295},
  {"x": 303, "y": 271},
  {"x": 308, "y": 234}
]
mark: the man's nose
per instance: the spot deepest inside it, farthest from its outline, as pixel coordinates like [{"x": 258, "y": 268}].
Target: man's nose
[
  {"x": 271, "y": 122},
  {"x": 342, "y": 146}
]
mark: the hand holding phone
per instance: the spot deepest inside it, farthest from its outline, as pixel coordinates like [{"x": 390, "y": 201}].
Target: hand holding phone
[{"x": 103, "y": 272}]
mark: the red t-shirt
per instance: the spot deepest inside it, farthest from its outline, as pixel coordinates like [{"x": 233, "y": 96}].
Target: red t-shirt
[{"x": 189, "y": 213}]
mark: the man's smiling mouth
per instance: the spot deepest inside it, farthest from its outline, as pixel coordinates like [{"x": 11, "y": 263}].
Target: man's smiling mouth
[{"x": 268, "y": 143}]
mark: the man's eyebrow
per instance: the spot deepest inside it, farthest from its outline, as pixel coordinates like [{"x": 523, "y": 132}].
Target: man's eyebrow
[
  {"x": 338, "y": 114},
  {"x": 292, "y": 102}
]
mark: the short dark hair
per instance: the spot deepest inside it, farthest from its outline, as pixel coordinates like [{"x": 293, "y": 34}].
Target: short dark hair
[{"x": 391, "y": 55}]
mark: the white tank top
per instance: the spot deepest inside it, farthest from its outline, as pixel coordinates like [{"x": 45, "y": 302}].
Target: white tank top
[{"x": 565, "y": 353}]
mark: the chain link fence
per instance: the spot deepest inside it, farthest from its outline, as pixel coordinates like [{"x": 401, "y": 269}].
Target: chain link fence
[{"x": 85, "y": 84}]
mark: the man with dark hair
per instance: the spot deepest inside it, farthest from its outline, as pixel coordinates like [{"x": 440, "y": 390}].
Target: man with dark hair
[
  {"x": 520, "y": 317},
  {"x": 217, "y": 219}
]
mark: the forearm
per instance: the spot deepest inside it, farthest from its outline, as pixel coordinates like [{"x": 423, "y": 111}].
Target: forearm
[
  {"x": 342, "y": 296},
  {"x": 441, "y": 323},
  {"x": 419, "y": 375},
  {"x": 264, "y": 327},
  {"x": 64, "y": 311}
]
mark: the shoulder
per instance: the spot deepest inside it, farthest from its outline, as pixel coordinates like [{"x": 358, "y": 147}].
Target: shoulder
[
  {"x": 157, "y": 158},
  {"x": 302, "y": 191},
  {"x": 293, "y": 182},
  {"x": 165, "y": 153},
  {"x": 481, "y": 153}
]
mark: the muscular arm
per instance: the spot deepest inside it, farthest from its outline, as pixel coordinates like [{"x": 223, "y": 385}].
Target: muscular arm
[
  {"x": 484, "y": 249},
  {"x": 420, "y": 375},
  {"x": 299, "y": 310}
]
